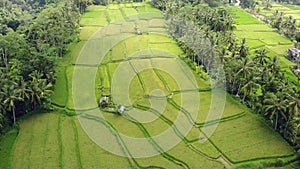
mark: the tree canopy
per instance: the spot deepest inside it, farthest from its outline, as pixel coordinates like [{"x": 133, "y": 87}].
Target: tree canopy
[{"x": 32, "y": 35}]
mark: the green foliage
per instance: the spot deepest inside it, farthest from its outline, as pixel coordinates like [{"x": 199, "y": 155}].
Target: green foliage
[
  {"x": 28, "y": 35},
  {"x": 297, "y": 37},
  {"x": 248, "y": 3},
  {"x": 65, "y": 18},
  {"x": 213, "y": 3}
]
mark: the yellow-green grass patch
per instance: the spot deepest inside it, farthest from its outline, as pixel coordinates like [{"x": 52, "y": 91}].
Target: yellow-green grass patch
[
  {"x": 95, "y": 8},
  {"x": 254, "y": 44},
  {"x": 207, "y": 148},
  {"x": 150, "y": 79},
  {"x": 93, "y": 156},
  {"x": 192, "y": 158},
  {"x": 60, "y": 95},
  {"x": 248, "y": 137},
  {"x": 158, "y": 161},
  {"x": 104, "y": 76},
  {"x": 231, "y": 108},
  {"x": 71, "y": 56},
  {"x": 136, "y": 91},
  {"x": 7, "y": 141},
  {"x": 135, "y": 44},
  {"x": 160, "y": 38},
  {"x": 119, "y": 51},
  {"x": 156, "y": 127},
  {"x": 157, "y": 23},
  {"x": 254, "y": 28},
  {"x": 88, "y": 31},
  {"x": 201, "y": 83},
  {"x": 281, "y": 50},
  {"x": 69, "y": 75},
  {"x": 69, "y": 143},
  {"x": 115, "y": 14},
  {"x": 173, "y": 48},
  {"x": 113, "y": 7},
  {"x": 93, "y": 21},
  {"x": 123, "y": 125},
  {"x": 177, "y": 69},
  {"x": 94, "y": 14},
  {"x": 169, "y": 81},
  {"x": 37, "y": 145},
  {"x": 113, "y": 29},
  {"x": 107, "y": 58},
  {"x": 129, "y": 11},
  {"x": 269, "y": 38},
  {"x": 241, "y": 17},
  {"x": 128, "y": 27}
]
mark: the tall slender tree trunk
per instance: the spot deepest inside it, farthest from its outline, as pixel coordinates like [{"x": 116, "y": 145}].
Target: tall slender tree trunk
[
  {"x": 14, "y": 114},
  {"x": 244, "y": 97},
  {"x": 238, "y": 92},
  {"x": 4, "y": 56},
  {"x": 276, "y": 121}
]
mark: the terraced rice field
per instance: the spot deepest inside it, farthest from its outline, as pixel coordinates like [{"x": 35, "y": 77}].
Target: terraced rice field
[
  {"x": 287, "y": 9},
  {"x": 259, "y": 36},
  {"x": 145, "y": 74}
]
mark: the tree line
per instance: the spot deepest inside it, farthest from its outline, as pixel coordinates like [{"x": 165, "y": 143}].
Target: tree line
[
  {"x": 33, "y": 34},
  {"x": 257, "y": 81}
]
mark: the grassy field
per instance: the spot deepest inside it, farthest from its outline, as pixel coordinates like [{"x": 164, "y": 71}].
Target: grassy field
[{"x": 160, "y": 90}]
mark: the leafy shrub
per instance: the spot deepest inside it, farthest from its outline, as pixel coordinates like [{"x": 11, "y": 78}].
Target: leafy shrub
[{"x": 213, "y": 3}]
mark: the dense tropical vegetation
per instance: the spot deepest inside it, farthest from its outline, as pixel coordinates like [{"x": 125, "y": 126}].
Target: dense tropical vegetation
[{"x": 33, "y": 34}]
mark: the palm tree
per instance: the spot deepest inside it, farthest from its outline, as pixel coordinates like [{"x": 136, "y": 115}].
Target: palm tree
[
  {"x": 45, "y": 89},
  {"x": 243, "y": 49},
  {"x": 245, "y": 68},
  {"x": 261, "y": 56},
  {"x": 23, "y": 89},
  {"x": 249, "y": 89},
  {"x": 267, "y": 4},
  {"x": 275, "y": 106},
  {"x": 10, "y": 100},
  {"x": 273, "y": 66},
  {"x": 224, "y": 54},
  {"x": 277, "y": 20},
  {"x": 243, "y": 72},
  {"x": 293, "y": 103},
  {"x": 40, "y": 89}
]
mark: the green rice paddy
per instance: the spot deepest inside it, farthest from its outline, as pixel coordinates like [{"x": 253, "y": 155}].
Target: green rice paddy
[{"x": 61, "y": 139}]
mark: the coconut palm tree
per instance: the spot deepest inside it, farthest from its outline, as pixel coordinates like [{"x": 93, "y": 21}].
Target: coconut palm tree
[
  {"x": 293, "y": 103},
  {"x": 245, "y": 68},
  {"x": 23, "y": 89},
  {"x": 275, "y": 108},
  {"x": 250, "y": 89},
  {"x": 273, "y": 66},
  {"x": 261, "y": 56},
  {"x": 39, "y": 88},
  {"x": 11, "y": 98},
  {"x": 243, "y": 49},
  {"x": 267, "y": 4}
]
